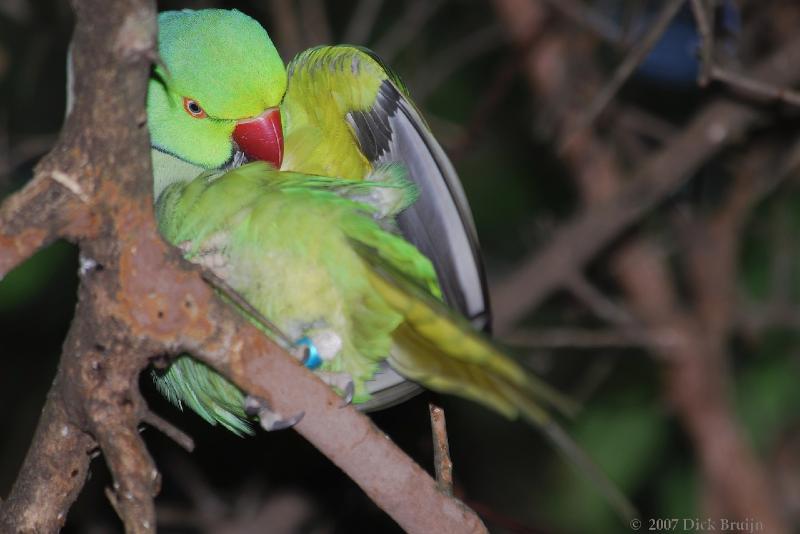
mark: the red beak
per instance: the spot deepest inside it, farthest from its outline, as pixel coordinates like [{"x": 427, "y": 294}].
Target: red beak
[{"x": 261, "y": 138}]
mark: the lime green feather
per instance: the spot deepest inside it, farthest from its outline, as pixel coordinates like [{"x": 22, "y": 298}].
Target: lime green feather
[
  {"x": 284, "y": 238},
  {"x": 193, "y": 384},
  {"x": 440, "y": 349},
  {"x": 325, "y": 84},
  {"x": 302, "y": 252}
]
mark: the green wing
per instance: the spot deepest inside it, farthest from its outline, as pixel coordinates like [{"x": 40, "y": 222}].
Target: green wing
[
  {"x": 346, "y": 112},
  {"x": 279, "y": 239}
]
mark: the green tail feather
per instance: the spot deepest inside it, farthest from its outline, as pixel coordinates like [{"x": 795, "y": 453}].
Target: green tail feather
[
  {"x": 440, "y": 350},
  {"x": 215, "y": 399}
]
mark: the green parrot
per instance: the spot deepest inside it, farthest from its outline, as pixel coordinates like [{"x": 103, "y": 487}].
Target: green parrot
[
  {"x": 318, "y": 194},
  {"x": 338, "y": 112}
]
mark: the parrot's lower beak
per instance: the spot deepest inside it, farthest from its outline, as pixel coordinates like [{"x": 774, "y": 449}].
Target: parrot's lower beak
[{"x": 261, "y": 138}]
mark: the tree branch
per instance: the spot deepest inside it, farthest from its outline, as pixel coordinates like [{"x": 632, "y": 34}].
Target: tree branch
[
  {"x": 590, "y": 231},
  {"x": 696, "y": 380},
  {"x": 416, "y": 14},
  {"x": 362, "y": 21},
  {"x": 441, "y": 450},
  {"x": 37, "y": 215},
  {"x": 52, "y": 474},
  {"x": 625, "y": 69}
]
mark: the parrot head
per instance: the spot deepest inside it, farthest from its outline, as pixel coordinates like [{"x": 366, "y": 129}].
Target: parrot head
[{"x": 218, "y": 89}]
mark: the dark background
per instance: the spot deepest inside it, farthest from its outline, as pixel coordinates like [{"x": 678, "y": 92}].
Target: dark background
[{"x": 456, "y": 58}]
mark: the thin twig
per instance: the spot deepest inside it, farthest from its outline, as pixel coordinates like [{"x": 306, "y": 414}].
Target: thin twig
[
  {"x": 362, "y": 21},
  {"x": 168, "y": 429},
  {"x": 599, "y": 303},
  {"x": 407, "y": 27},
  {"x": 287, "y": 27},
  {"x": 754, "y": 86},
  {"x": 704, "y": 18},
  {"x": 644, "y": 124},
  {"x": 590, "y": 19},
  {"x": 493, "y": 96},
  {"x": 441, "y": 450},
  {"x": 316, "y": 23},
  {"x": 442, "y": 65},
  {"x": 625, "y": 69},
  {"x": 791, "y": 162},
  {"x": 585, "y": 338}
]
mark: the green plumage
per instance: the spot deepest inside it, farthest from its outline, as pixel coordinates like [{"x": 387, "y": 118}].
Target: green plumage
[
  {"x": 324, "y": 263},
  {"x": 303, "y": 275},
  {"x": 319, "y": 248},
  {"x": 316, "y": 256},
  {"x": 338, "y": 80}
]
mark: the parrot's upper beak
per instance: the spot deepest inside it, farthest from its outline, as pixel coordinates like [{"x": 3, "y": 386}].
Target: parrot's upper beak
[{"x": 261, "y": 138}]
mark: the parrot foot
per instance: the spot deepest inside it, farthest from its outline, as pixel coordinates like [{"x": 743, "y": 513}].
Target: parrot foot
[
  {"x": 343, "y": 382},
  {"x": 268, "y": 418}
]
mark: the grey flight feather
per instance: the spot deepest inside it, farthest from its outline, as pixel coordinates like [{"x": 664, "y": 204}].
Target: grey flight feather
[
  {"x": 439, "y": 223},
  {"x": 388, "y": 388}
]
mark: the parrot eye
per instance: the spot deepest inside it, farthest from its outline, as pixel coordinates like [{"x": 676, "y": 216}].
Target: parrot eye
[{"x": 193, "y": 108}]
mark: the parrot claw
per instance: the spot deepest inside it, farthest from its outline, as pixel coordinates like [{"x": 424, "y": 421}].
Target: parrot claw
[
  {"x": 343, "y": 382},
  {"x": 268, "y": 418},
  {"x": 349, "y": 391},
  {"x": 282, "y": 424},
  {"x": 302, "y": 353}
]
